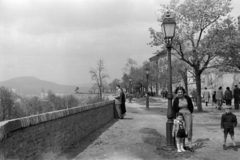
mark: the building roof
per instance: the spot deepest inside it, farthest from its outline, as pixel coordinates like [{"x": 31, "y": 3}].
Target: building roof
[{"x": 157, "y": 56}]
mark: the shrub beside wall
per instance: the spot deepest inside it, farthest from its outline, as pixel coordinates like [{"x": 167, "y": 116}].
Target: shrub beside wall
[{"x": 31, "y": 137}]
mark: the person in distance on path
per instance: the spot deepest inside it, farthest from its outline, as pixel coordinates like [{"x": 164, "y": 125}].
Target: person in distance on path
[
  {"x": 228, "y": 96},
  {"x": 206, "y": 96},
  {"x": 219, "y": 97},
  {"x": 236, "y": 96},
  {"x": 214, "y": 100}
]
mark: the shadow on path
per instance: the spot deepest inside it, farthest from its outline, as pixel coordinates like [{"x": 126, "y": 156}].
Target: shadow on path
[
  {"x": 231, "y": 146},
  {"x": 81, "y": 145},
  {"x": 154, "y": 138}
]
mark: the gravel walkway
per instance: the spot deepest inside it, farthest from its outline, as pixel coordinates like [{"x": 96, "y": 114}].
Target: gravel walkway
[{"x": 141, "y": 136}]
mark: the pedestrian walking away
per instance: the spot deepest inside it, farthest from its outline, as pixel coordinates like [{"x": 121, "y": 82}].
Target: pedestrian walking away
[
  {"x": 228, "y": 96},
  {"x": 214, "y": 100},
  {"x": 206, "y": 96},
  {"x": 219, "y": 97},
  {"x": 228, "y": 123},
  {"x": 183, "y": 104},
  {"x": 236, "y": 96}
]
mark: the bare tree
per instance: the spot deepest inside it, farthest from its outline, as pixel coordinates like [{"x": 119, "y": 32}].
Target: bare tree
[
  {"x": 99, "y": 76},
  {"x": 94, "y": 88}
]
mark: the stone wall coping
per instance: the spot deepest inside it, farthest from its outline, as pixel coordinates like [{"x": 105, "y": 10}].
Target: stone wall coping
[{"x": 14, "y": 124}]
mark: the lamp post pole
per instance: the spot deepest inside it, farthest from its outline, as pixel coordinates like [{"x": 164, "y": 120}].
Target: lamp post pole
[
  {"x": 147, "y": 97},
  {"x": 130, "y": 90},
  {"x": 130, "y": 86},
  {"x": 168, "y": 27},
  {"x": 169, "y": 124}
]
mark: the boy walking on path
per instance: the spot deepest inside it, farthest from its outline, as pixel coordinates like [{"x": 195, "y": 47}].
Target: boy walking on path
[{"x": 228, "y": 123}]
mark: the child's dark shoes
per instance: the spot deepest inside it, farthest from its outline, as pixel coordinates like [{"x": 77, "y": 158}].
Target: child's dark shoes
[
  {"x": 224, "y": 147},
  {"x": 235, "y": 148}
]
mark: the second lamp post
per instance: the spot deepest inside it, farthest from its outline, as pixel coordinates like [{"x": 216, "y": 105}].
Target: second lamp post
[
  {"x": 130, "y": 90},
  {"x": 147, "y": 97}
]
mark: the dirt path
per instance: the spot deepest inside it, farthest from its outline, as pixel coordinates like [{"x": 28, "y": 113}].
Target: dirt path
[{"x": 141, "y": 135}]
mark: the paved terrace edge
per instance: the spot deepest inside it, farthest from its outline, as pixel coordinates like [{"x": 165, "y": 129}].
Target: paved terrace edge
[{"x": 14, "y": 124}]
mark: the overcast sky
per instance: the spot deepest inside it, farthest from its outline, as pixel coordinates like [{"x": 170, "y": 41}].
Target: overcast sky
[{"x": 61, "y": 40}]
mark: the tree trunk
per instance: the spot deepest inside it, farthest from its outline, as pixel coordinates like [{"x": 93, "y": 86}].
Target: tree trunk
[
  {"x": 100, "y": 92},
  {"x": 198, "y": 86},
  {"x": 186, "y": 86},
  {"x": 185, "y": 79}
]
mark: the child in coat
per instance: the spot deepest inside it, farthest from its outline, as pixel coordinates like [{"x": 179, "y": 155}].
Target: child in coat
[
  {"x": 228, "y": 123},
  {"x": 179, "y": 131}
]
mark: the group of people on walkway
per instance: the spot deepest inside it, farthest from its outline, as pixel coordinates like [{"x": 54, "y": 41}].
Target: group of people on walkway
[
  {"x": 219, "y": 97},
  {"x": 164, "y": 94},
  {"x": 183, "y": 122}
]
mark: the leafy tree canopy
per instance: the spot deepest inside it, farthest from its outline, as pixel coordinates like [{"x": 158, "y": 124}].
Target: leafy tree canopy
[{"x": 196, "y": 41}]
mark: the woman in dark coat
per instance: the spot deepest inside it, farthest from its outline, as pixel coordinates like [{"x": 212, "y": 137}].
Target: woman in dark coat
[
  {"x": 183, "y": 104},
  {"x": 123, "y": 106}
]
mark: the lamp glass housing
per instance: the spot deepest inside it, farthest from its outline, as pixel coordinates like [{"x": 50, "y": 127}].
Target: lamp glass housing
[{"x": 168, "y": 26}]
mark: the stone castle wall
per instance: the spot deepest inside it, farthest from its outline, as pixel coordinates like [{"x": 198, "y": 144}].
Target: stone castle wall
[{"x": 30, "y": 137}]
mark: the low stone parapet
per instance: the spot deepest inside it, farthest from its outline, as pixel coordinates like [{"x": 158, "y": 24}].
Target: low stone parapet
[{"x": 30, "y": 137}]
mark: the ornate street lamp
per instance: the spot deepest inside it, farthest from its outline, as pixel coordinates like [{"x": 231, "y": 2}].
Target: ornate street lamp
[
  {"x": 168, "y": 29},
  {"x": 147, "y": 97}
]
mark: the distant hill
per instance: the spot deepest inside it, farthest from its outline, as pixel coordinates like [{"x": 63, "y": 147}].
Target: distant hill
[{"x": 34, "y": 86}]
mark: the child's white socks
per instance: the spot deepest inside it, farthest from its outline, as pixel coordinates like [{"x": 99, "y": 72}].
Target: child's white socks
[
  {"x": 181, "y": 146},
  {"x": 178, "y": 148}
]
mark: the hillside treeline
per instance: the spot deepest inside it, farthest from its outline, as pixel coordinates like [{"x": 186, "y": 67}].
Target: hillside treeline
[{"x": 14, "y": 106}]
